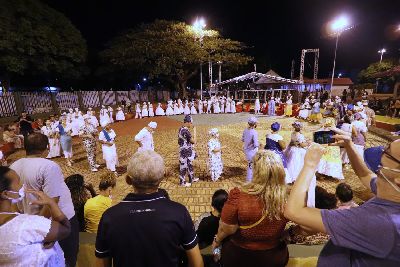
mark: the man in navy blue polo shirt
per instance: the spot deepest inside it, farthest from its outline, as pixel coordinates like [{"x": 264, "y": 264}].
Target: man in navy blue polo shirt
[{"x": 146, "y": 228}]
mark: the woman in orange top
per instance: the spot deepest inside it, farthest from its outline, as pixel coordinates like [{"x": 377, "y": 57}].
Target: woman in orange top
[{"x": 253, "y": 218}]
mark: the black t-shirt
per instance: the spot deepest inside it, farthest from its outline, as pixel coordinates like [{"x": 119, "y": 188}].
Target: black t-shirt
[
  {"x": 25, "y": 125},
  {"x": 208, "y": 228},
  {"x": 145, "y": 230}
]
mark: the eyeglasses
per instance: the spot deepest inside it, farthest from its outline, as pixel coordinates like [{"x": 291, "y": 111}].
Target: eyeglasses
[{"x": 391, "y": 157}]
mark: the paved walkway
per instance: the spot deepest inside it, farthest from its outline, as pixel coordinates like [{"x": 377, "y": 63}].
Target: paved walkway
[{"x": 198, "y": 197}]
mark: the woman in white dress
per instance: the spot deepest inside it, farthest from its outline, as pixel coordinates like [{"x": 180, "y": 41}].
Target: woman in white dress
[
  {"x": 138, "y": 111},
  {"x": 177, "y": 110},
  {"x": 110, "y": 114},
  {"x": 104, "y": 117},
  {"x": 350, "y": 129},
  {"x": 54, "y": 141},
  {"x": 151, "y": 110},
  {"x": 214, "y": 155},
  {"x": 228, "y": 105},
  {"x": 170, "y": 110},
  {"x": 222, "y": 101},
  {"x": 257, "y": 106},
  {"x": 120, "y": 116},
  {"x": 193, "y": 110},
  {"x": 160, "y": 110},
  {"x": 23, "y": 235},
  {"x": 200, "y": 106},
  {"x": 186, "y": 110},
  {"x": 145, "y": 111},
  {"x": 107, "y": 139},
  {"x": 93, "y": 118},
  {"x": 233, "y": 106},
  {"x": 180, "y": 106},
  {"x": 65, "y": 131},
  {"x": 295, "y": 154},
  {"x": 217, "y": 108}
]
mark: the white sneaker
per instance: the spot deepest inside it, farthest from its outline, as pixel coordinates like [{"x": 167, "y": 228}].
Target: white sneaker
[
  {"x": 194, "y": 180},
  {"x": 97, "y": 165},
  {"x": 186, "y": 184},
  {"x": 94, "y": 170}
]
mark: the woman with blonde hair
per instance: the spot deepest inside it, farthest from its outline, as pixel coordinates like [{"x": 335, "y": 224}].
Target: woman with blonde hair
[{"x": 253, "y": 218}]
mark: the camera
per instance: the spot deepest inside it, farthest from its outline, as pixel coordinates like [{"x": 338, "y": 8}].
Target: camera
[{"x": 324, "y": 137}]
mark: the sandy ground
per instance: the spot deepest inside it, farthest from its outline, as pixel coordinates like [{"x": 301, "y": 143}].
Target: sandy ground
[{"x": 198, "y": 197}]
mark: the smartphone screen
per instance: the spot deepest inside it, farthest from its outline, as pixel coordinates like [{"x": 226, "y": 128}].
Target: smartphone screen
[{"x": 324, "y": 137}]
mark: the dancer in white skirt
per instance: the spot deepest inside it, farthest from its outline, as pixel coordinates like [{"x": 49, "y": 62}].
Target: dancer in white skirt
[
  {"x": 228, "y": 105},
  {"x": 76, "y": 124},
  {"x": 233, "y": 106},
  {"x": 120, "y": 116},
  {"x": 222, "y": 101},
  {"x": 215, "y": 164},
  {"x": 159, "y": 110},
  {"x": 193, "y": 110},
  {"x": 145, "y": 111},
  {"x": 54, "y": 141},
  {"x": 360, "y": 136},
  {"x": 350, "y": 129},
  {"x": 111, "y": 113},
  {"x": 93, "y": 119},
  {"x": 217, "y": 108},
  {"x": 104, "y": 117},
  {"x": 257, "y": 106},
  {"x": 138, "y": 111},
  {"x": 177, "y": 110},
  {"x": 209, "y": 103},
  {"x": 186, "y": 109},
  {"x": 200, "y": 106},
  {"x": 295, "y": 154},
  {"x": 107, "y": 139},
  {"x": 151, "y": 110},
  {"x": 170, "y": 110},
  {"x": 180, "y": 106}
]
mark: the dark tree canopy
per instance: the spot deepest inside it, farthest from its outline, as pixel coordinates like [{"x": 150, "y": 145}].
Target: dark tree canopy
[
  {"x": 368, "y": 75},
  {"x": 172, "y": 51},
  {"x": 38, "y": 41}
]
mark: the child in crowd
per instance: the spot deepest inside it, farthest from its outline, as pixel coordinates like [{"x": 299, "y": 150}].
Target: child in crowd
[
  {"x": 344, "y": 193},
  {"x": 214, "y": 155},
  {"x": 96, "y": 206}
]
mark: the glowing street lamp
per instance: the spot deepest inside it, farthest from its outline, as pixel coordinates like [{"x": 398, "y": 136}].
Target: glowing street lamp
[
  {"x": 338, "y": 26},
  {"x": 382, "y": 51},
  {"x": 198, "y": 27}
]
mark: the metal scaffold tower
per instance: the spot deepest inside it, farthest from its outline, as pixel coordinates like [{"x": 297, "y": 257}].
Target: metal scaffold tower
[{"x": 316, "y": 59}]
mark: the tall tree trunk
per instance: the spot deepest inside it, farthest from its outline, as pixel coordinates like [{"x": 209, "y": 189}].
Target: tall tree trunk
[{"x": 181, "y": 86}]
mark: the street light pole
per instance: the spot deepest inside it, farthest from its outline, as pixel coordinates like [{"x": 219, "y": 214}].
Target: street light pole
[
  {"x": 334, "y": 61},
  {"x": 198, "y": 27}
]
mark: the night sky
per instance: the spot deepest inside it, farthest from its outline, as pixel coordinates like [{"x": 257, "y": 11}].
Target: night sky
[{"x": 276, "y": 31}]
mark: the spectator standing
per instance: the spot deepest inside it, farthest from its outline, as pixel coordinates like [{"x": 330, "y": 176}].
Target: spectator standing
[
  {"x": 146, "y": 229},
  {"x": 96, "y": 206},
  {"x": 80, "y": 193},
  {"x": 253, "y": 217},
  {"x": 41, "y": 174},
  {"x": 362, "y": 236},
  {"x": 25, "y": 124}
]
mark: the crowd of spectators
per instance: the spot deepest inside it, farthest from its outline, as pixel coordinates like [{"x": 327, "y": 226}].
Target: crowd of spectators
[{"x": 41, "y": 214}]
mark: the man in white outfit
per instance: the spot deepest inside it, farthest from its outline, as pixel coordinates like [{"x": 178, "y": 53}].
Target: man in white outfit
[{"x": 145, "y": 137}]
